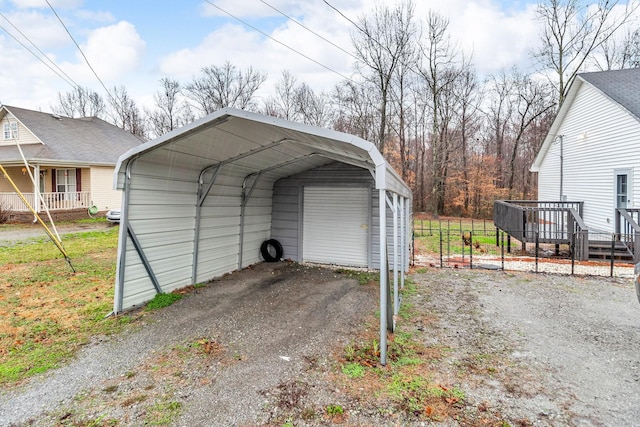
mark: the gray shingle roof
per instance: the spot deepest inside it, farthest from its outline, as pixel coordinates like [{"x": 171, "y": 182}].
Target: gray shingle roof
[
  {"x": 622, "y": 86},
  {"x": 87, "y": 140}
]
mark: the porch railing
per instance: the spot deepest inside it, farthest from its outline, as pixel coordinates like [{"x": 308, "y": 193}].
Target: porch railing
[
  {"x": 55, "y": 201},
  {"x": 548, "y": 222},
  {"x": 627, "y": 223}
]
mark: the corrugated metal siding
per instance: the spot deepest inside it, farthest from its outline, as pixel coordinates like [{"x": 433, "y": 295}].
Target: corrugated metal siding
[
  {"x": 162, "y": 214},
  {"x": 336, "y": 225},
  {"x": 99, "y": 180},
  {"x": 599, "y": 137},
  {"x": 286, "y": 224}
]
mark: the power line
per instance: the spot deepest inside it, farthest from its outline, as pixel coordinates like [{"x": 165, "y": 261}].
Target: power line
[
  {"x": 279, "y": 42},
  {"x": 344, "y": 16},
  {"x": 81, "y": 52},
  {"x": 310, "y": 30},
  {"x": 59, "y": 72}
]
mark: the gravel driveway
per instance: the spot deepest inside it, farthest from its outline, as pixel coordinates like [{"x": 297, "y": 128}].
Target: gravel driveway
[
  {"x": 544, "y": 349},
  {"x": 528, "y": 349}
]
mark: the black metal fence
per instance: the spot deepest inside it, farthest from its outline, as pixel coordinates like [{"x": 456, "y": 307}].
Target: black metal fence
[{"x": 478, "y": 244}]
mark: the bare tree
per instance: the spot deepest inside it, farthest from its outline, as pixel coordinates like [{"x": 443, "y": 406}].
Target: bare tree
[
  {"x": 617, "y": 54},
  {"x": 225, "y": 86},
  {"x": 380, "y": 45},
  {"x": 171, "y": 111},
  {"x": 572, "y": 31},
  {"x": 533, "y": 100},
  {"x": 283, "y": 103},
  {"x": 499, "y": 113},
  {"x": 467, "y": 95},
  {"x": 125, "y": 113},
  {"x": 354, "y": 109},
  {"x": 443, "y": 65},
  {"x": 80, "y": 102},
  {"x": 312, "y": 108}
]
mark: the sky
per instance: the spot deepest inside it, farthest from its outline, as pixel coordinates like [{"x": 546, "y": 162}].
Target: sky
[{"x": 135, "y": 43}]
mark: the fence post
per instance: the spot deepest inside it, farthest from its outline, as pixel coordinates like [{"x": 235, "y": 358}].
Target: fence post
[
  {"x": 441, "y": 265},
  {"x": 470, "y": 249},
  {"x": 502, "y": 248},
  {"x": 537, "y": 247},
  {"x": 573, "y": 251},
  {"x": 613, "y": 252}
]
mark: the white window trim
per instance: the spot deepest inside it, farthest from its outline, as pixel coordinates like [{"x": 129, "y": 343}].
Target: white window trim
[{"x": 10, "y": 130}]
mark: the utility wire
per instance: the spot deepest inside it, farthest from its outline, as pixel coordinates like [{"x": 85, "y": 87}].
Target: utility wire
[
  {"x": 64, "y": 76},
  {"x": 310, "y": 30},
  {"x": 82, "y": 53},
  {"x": 344, "y": 16},
  {"x": 34, "y": 54},
  {"x": 279, "y": 42}
]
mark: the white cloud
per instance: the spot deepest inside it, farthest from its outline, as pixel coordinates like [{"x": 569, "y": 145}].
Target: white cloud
[
  {"x": 256, "y": 9},
  {"x": 112, "y": 51},
  {"x": 42, "y": 30},
  {"x": 63, "y": 4},
  {"x": 228, "y": 43}
]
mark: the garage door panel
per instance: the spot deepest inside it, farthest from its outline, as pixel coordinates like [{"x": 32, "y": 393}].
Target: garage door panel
[{"x": 336, "y": 225}]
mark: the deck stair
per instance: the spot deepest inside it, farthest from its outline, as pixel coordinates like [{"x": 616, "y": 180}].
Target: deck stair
[{"x": 601, "y": 250}]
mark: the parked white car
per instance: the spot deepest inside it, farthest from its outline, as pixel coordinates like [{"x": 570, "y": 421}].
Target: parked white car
[{"x": 113, "y": 216}]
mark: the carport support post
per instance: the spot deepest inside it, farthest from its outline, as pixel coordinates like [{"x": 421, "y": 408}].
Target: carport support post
[
  {"x": 396, "y": 297},
  {"x": 403, "y": 241},
  {"x": 383, "y": 275}
]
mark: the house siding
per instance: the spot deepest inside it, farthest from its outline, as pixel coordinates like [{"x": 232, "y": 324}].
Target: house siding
[
  {"x": 598, "y": 137},
  {"x": 24, "y": 135},
  {"x": 99, "y": 181}
]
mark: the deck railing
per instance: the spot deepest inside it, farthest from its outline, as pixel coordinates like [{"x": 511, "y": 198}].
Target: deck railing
[
  {"x": 54, "y": 201},
  {"x": 628, "y": 230},
  {"x": 546, "y": 222}
]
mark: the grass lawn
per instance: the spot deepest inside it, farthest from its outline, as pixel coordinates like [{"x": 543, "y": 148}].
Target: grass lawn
[
  {"x": 454, "y": 236},
  {"x": 46, "y": 310}
]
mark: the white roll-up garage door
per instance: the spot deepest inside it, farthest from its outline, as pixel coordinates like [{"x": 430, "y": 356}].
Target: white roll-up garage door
[{"x": 336, "y": 225}]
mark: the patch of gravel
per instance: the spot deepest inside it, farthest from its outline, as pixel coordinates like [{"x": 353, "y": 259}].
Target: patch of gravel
[
  {"x": 10, "y": 235},
  {"x": 258, "y": 347},
  {"x": 540, "y": 349}
]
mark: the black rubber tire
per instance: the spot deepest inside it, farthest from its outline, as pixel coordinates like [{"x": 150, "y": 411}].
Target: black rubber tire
[{"x": 265, "y": 250}]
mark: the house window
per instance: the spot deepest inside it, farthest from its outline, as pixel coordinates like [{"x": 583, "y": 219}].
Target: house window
[
  {"x": 10, "y": 130},
  {"x": 66, "y": 180}
]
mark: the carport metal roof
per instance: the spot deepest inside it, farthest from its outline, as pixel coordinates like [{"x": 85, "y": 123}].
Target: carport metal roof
[
  {"x": 268, "y": 148},
  {"x": 264, "y": 144}
]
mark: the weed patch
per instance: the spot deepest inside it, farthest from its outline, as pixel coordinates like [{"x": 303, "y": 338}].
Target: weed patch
[
  {"x": 363, "y": 277},
  {"x": 353, "y": 370},
  {"x": 163, "y": 300}
]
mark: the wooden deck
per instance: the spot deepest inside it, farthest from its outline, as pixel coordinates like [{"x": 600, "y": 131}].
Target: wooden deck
[
  {"x": 561, "y": 223},
  {"x": 544, "y": 222}
]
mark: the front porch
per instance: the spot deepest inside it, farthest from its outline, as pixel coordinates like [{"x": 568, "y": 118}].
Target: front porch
[
  {"x": 561, "y": 223},
  {"x": 54, "y": 201}
]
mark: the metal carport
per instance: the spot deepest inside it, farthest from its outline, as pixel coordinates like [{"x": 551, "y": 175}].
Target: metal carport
[{"x": 197, "y": 202}]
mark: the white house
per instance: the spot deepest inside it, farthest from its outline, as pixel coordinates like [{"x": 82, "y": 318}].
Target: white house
[{"x": 592, "y": 151}]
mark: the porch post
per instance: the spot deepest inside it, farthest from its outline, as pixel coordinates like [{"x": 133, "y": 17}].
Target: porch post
[{"x": 36, "y": 188}]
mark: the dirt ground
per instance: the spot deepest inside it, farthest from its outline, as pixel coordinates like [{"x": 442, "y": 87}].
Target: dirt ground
[{"x": 526, "y": 349}]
